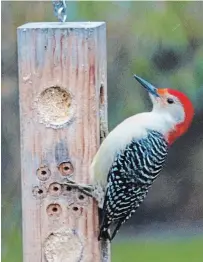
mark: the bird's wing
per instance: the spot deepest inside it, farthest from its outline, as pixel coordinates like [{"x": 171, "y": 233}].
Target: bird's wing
[{"x": 132, "y": 173}]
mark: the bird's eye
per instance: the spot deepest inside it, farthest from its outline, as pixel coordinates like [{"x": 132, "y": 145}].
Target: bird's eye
[{"x": 170, "y": 100}]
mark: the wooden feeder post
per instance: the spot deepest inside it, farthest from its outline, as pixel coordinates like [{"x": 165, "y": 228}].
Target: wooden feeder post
[{"x": 63, "y": 93}]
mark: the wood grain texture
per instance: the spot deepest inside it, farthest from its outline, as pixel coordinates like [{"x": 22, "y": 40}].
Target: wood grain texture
[{"x": 61, "y": 70}]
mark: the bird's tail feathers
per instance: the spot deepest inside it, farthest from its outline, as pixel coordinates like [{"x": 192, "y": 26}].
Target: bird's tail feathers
[
  {"x": 116, "y": 229},
  {"x": 104, "y": 234},
  {"x": 104, "y": 228}
]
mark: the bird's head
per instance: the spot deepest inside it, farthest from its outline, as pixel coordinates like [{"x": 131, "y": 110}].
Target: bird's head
[{"x": 173, "y": 103}]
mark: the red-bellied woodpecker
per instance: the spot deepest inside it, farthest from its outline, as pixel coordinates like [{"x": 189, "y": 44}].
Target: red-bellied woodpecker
[{"x": 133, "y": 154}]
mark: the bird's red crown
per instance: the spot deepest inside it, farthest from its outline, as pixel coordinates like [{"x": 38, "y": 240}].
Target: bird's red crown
[{"x": 189, "y": 114}]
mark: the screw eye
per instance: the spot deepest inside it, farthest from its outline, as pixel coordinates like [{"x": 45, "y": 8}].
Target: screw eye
[{"x": 170, "y": 100}]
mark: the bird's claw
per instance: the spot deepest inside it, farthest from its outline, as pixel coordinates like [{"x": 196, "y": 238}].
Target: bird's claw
[
  {"x": 86, "y": 189},
  {"x": 69, "y": 182}
]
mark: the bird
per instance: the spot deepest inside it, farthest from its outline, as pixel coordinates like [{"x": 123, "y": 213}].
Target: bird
[{"x": 133, "y": 154}]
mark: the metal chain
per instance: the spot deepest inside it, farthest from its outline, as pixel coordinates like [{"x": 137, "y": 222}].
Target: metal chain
[{"x": 60, "y": 8}]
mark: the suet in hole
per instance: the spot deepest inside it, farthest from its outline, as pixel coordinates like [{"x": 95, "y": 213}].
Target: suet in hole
[
  {"x": 64, "y": 244},
  {"x": 66, "y": 168},
  {"x": 55, "y": 106}
]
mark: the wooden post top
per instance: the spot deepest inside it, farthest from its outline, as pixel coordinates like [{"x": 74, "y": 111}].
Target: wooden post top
[{"x": 53, "y": 25}]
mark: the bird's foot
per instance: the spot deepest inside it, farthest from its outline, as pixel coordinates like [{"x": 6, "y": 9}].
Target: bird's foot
[
  {"x": 94, "y": 191},
  {"x": 86, "y": 189}
]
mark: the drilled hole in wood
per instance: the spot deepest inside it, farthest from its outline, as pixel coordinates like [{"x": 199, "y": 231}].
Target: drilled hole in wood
[
  {"x": 66, "y": 168},
  {"x": 43, "y": 173},
  {"x": 55, "y": 189},
  {"x": 67, "y": 191},
  {"x": 101, "y": 94},
  {"x": 75, "y": 208},
  {"x": 65, "y": 96},
  {"x": 54, "y": 210},
  {"x": 55, "y": 106},
  {"x": 81, "y": 197},
  {"x": 39, "y": 192}
]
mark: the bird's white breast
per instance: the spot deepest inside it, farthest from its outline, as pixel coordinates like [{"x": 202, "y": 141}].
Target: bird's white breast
[{"x": 133, "y": 127}]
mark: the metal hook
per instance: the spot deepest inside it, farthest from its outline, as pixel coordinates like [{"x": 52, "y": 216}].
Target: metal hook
[{"x": 60, "y": 9}]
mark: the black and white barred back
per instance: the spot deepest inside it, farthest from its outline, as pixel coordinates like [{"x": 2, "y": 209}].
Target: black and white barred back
[{"x": 130, "y": 178}]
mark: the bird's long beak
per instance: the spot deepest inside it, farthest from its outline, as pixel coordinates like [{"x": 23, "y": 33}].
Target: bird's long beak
[{"x": 149, "y": 87}]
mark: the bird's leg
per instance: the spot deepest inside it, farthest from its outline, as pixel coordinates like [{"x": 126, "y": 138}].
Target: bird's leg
[{"x": 86, "y": 189}]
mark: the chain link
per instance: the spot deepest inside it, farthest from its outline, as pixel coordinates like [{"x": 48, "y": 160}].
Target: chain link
[{"x": 60, "y": 9}]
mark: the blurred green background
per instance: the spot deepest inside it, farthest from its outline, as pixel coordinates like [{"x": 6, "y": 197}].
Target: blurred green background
[{"x": 162, "y": 42}]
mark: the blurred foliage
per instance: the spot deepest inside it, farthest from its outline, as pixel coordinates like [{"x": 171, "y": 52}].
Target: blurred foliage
[
  {"x": 12, "y": 251},
  {"x": 161, "y": 41}
]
